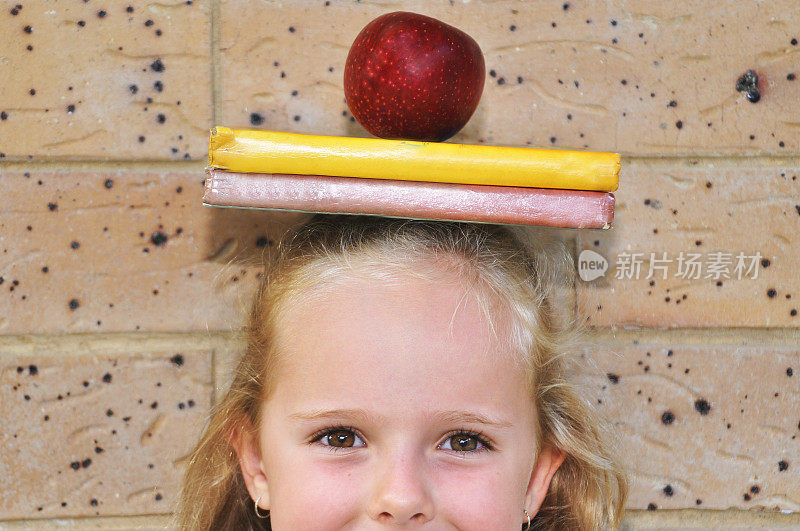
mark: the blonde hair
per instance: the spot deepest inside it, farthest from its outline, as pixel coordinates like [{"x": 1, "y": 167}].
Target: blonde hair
[{"x": 589, "y": 489}]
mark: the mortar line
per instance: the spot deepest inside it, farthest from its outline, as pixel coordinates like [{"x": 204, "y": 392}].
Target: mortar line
[
  {"x": 133, "y": 521},
  {"x": 709, "y": 162},
  {"x": 692, "y": 518},
  {"x": 574, "y": 250},
  {"x": 710, "y": 336},
  {"x": 87, "y": 165},
  {"x": 216, "y": 77},
  {"x": 113, "y": 343},
  {"x": 214, "y": 376}
]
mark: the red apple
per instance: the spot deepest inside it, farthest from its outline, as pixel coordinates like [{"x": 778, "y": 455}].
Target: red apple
[{"x": 409, "y": 76}]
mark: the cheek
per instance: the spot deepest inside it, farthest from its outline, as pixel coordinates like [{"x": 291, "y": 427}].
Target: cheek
[
  {"x": 482, "y": 499},
  {"x": 314, "y": 494}
]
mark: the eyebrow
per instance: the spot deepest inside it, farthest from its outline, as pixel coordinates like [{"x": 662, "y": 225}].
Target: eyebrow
[{"x": 359, "y": 415}]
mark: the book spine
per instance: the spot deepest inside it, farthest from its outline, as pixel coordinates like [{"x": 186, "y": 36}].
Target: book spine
[
  {"x": 410, "y": 199},
  {"x": 255, "y": 151}
]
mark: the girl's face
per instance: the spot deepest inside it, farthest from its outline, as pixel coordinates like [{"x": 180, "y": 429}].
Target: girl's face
[{"x": 394, "y": 406}]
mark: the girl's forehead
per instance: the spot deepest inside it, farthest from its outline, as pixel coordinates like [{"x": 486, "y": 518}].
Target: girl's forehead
[
  {"x": 414, "y": 339},
  {"x": 371, "y": 303}
]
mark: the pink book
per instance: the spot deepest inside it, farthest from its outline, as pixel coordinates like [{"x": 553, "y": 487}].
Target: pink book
[{"x": 410, "y": 199}]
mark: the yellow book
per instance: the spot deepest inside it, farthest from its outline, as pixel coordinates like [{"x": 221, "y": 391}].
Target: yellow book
[{"x": 257, "y": 151}]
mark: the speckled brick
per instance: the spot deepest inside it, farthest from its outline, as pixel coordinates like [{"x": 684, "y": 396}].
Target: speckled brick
[
  {"x": 115, "y": 251},
  {"x": 685, "y": 209},
  {"x": 712, "y": 427},
  {"x": 110, "y": 81},
  {"x": 637, "y": 77},
  {"x": 98, "y": 434}
]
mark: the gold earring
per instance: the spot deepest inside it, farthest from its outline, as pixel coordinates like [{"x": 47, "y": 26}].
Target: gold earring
[
  {"x": 525, "y": 512},
  {"x": 257, "y": 512}
]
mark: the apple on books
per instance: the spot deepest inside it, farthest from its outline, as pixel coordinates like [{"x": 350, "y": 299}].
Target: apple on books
[{"x": 413, "y": 77}]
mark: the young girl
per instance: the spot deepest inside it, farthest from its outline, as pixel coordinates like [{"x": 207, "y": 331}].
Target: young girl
[{"x": 405, "y": 373}]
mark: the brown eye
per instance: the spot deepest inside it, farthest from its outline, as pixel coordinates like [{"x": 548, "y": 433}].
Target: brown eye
[
  {"x": 463, "y": 442},
  {"x": 341, "y": 438}
]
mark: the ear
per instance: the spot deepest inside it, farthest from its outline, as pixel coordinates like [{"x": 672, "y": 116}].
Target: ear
[
  {"x": 244, "y": 441},
  {"x": 546, "y": 465}
]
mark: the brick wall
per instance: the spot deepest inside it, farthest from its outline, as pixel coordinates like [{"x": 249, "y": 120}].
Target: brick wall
[{"x": 120, "y": 294}]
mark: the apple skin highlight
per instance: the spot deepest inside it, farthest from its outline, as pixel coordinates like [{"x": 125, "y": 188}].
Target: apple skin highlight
[{"x": 413, "y": 77}]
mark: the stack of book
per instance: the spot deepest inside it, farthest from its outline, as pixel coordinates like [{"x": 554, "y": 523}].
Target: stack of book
[{"x": 408, "y": 179}]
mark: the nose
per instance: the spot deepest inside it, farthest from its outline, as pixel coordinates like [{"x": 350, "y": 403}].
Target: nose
[{"x": 400, "y": 491}]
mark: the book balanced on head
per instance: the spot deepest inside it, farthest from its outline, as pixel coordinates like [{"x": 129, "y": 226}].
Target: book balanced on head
[{"x": 411, "y": 179}]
